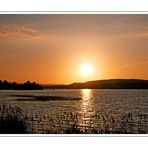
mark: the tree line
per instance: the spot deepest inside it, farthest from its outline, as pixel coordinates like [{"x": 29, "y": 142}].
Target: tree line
[{"x": 19, "y": 86}]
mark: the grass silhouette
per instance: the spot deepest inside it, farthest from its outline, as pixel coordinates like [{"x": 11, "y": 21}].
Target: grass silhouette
[
  {"x": 16, "y": 120},
  {"x": 11, "y": 121}
]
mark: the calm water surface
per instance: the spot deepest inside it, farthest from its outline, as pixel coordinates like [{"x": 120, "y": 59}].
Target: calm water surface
[{"x": 93, "y": 101}]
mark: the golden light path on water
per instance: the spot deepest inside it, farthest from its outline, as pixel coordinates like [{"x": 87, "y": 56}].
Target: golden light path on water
[
  {"x": 86, "y": 95},
  {"x": 86, "y": 106}
]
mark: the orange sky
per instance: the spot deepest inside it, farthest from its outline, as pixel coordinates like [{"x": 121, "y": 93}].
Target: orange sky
[{"x": 50, "y": 49}]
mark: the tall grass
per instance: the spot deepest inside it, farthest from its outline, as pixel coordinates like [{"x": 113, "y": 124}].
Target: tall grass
[
  {"x": 16, "y": 120},
  {"x": 11, "y": 120}
]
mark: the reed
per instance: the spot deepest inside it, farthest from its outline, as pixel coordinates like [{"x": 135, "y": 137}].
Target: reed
[
  {"x": 16, "y": 120},
  {"x": 11, "y": 120}
]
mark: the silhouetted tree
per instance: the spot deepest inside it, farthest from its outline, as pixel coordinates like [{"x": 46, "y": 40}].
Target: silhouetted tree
[{"x": 13, "y": 85}]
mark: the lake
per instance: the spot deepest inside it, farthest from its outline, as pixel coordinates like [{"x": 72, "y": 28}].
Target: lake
[{"x": 108, "y": 103}]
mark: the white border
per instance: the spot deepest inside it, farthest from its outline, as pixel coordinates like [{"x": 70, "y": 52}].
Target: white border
[
  {"x": 73, "y": 5},
  {"x": 73, "y": 135},
  {"x": 74, "y": 142},
  {"x": 73, "y": 12}
]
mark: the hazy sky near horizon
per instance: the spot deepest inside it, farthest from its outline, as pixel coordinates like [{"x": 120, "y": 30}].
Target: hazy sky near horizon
[{"x": 49, "y": 48}]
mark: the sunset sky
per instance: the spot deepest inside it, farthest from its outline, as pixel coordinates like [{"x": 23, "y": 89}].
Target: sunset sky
[{"x": 51, "y": 49}]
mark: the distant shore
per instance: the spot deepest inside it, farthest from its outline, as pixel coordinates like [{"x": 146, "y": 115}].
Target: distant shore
[
  {"x": 105, "y": 84},
  {"x": 97, "y": 84},
  {"x": 5, "y": 85}
]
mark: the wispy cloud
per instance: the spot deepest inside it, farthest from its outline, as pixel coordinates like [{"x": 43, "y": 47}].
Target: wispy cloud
[
  {"x": 134, "y": 64},
  {"x": 20, "y": 31},
  {"x": 143, "y": 34}
]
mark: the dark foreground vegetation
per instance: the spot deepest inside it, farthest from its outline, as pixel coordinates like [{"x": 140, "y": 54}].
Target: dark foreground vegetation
[
  {"x": 12, "y": 120},
  {"x": 106, "y": 84},
  {"x": 16, "y": 86},
  {"x": 15, "y": 120}
]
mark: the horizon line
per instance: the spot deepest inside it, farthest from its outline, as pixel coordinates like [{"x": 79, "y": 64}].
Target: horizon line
[{"x": 75, "y": 82}]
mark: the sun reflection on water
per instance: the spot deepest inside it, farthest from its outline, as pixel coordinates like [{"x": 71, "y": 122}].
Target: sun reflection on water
[
  {"x": 86, "y": 95},
  {"x": 86, "y": 106}
]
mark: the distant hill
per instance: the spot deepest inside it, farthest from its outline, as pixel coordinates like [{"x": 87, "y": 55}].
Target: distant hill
[{"x": 106, "y": 84}]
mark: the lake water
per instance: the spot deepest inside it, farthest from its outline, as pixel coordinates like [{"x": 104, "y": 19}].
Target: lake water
[{"x": 97, "y": 101}]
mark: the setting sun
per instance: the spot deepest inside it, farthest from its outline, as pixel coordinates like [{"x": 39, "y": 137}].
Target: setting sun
[{"x": 86, "y": 69}]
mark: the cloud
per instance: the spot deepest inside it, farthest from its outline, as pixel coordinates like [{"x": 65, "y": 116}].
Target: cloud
[
  {"x": 143, "y": 34},
  {"x": 20, "y": 32},
  {"x": 134, "y": 64}
]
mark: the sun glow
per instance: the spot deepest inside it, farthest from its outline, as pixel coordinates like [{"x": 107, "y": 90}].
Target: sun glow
[{"x": 86, "y": 69}]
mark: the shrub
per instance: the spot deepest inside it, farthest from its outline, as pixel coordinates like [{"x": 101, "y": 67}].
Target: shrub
[{"x": 12, "y": 120}]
